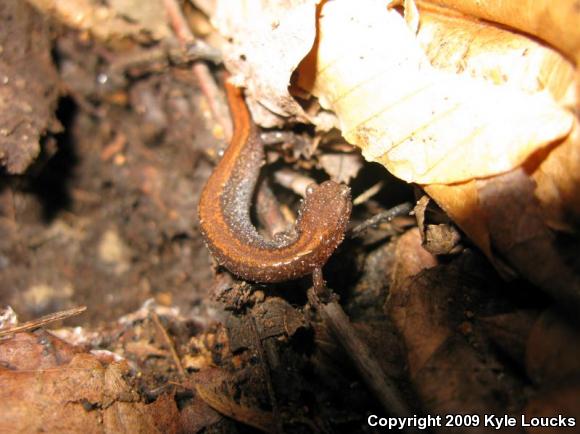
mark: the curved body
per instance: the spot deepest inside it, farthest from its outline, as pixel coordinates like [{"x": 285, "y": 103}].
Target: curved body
[{"x": 224, "y": 212}]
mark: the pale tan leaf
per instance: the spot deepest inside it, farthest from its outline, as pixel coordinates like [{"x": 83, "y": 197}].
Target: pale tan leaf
[
  {"x": 554, "y": 22},
  {"x": 460, "y": 44},
  {"x": 424, "y": 125}
]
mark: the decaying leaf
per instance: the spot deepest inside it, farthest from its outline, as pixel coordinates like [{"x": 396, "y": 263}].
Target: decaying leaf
[
  {"x": 443, "y": 317},
  {"x": 518, "y": 231},
  {"x": 510, "y": 331},
  {"x": 214, "y": 387},
  {"x": 539, "y": 342},
  {"x": 410, "y": 309},
  {"x": 426, "y": 304},
  {"x": 63, "y": 390},
  {"x": 41, "y": 350},
  {"x": 198, "y": 415}
]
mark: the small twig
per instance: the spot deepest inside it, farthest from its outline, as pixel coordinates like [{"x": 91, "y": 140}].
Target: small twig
[
  {"x": 319, "y": 285},
  {"x": 178, "y": 21},
  {"x": 368, "y": 367},
  {"x": 169, "y": 343},
  {"x": 294, "y": 181},
  {"x": 200, "y": 70},
  {"x": 210, "y": 91},
  {"x": 388, "y": 215},
  {"x": 265, "y": 365},
  {"x": 44, "y": 320},
  {"x": 368, "y": 193},
  {"x": 268, "y": 210}
]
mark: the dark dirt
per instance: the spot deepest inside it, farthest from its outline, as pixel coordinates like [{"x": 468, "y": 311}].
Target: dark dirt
[
  {"x": 28, "y": 85},
  {"x": 109, "y": 220}
]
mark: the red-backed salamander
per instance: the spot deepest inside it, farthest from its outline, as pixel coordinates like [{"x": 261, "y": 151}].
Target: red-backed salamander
[{"x": 224, "y": 212}]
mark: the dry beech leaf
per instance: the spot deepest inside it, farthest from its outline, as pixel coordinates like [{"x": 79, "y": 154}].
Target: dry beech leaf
[
  {"x": 460, "y": 44},
  {"x": 554, "y": 22},
  {"x": 483, "y": 50},
  {"x": 424, "y": 125},
  {"x": 453, "y": 43}
]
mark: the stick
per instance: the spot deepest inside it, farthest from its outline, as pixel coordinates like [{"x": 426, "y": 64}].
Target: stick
[
  {"x": 43, "y": 320},
  {"x": 368, "y": 367}
]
